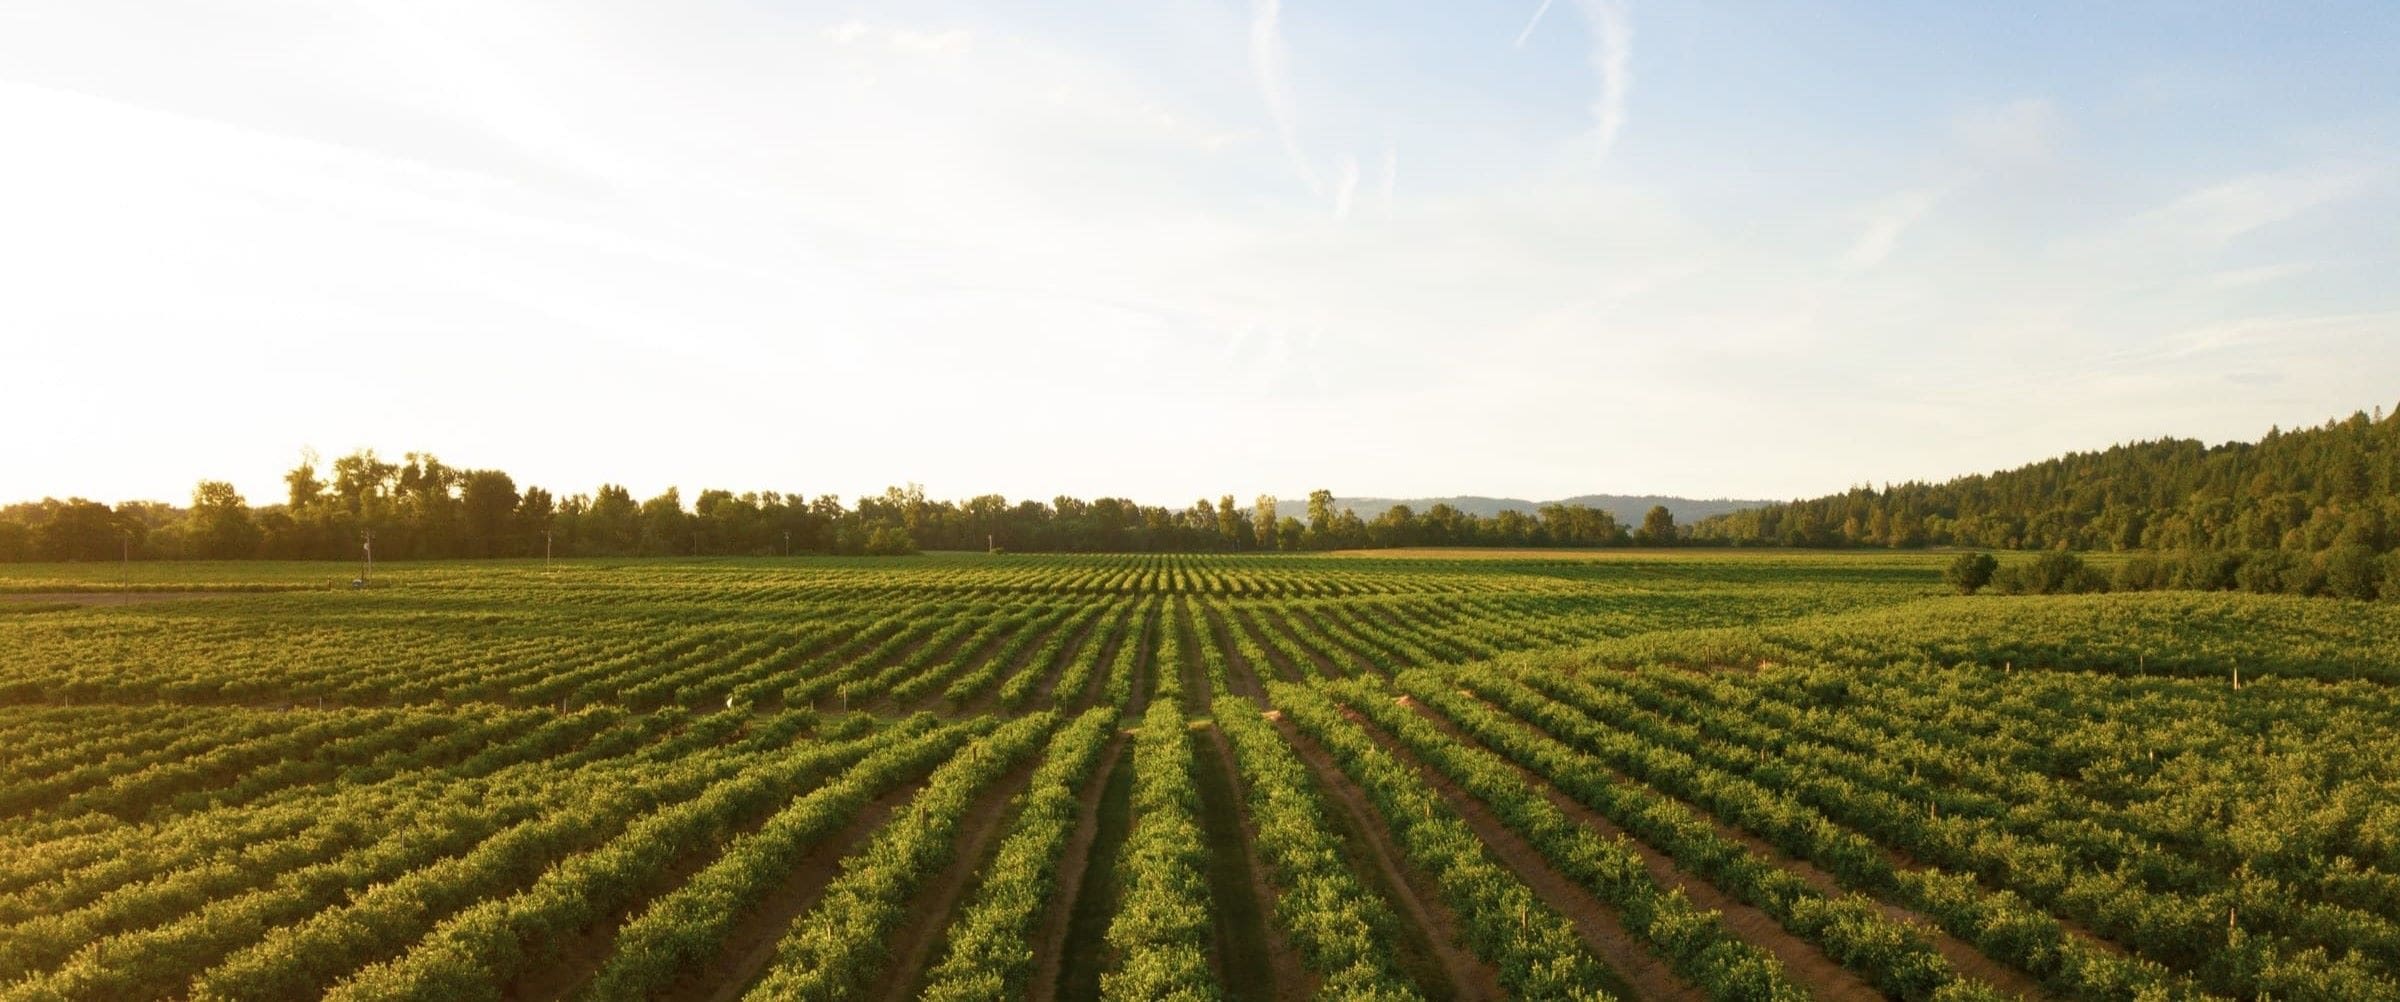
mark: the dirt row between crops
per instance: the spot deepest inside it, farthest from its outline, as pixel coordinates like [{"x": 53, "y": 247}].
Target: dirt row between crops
[
  {"x": 1083, "y": 851},
  {"x": 1047, "y": 691},
  {"x": 1596, "y": 922},
  {"x": 1285, "y": 670},
  {"x": 1241, "y": 677},
  {"x": 914, "y": 947},
  {"x": 579, "y": 956},
  {"x": 1430, "y": 951},
  {"x": 1255, "y": 958},
  {"x": 1074, "y": 924},
  {"x": 1962, "y": 956}
]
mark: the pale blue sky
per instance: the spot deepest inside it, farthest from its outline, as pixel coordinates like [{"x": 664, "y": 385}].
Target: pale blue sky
[{"x": 1181, "y": 248}]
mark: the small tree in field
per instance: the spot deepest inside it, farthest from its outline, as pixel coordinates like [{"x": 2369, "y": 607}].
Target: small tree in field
[{"x": 1970, "y": 572}]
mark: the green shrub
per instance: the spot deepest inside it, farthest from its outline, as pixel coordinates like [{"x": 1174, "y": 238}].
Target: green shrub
[
  {"x": 2056, "y": 572},
  {"x": 1970, "y": 572},
  {"x": 2142, "y": 572}
]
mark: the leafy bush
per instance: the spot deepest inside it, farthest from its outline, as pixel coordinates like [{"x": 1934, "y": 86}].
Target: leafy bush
[
  {"x": 2208, "y": 570},
  {"x": 2056, "y": 572},
  {"x": 1970, "y": 572},
  {"x": 2142, "y": 572}
]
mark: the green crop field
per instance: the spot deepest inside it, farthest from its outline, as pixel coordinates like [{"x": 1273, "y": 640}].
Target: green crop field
[{"x": 1655, "y": 775}]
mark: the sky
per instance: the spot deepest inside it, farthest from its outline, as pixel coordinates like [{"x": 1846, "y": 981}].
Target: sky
[{"x": 1174, "y": 249}]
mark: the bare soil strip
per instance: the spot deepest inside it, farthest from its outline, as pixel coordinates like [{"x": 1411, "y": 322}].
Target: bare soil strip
[
  {"x": 1429, "y": 952},
  {"x": 1803, "y": 960},
  {"x": 913, "y": 946},
  {"x": 987, "y": 702},
  {"x": 1240, "y": 674},
  {"x": 1048, "y": 689},
  {"x": 1283, "y": 666},
  {"x": 1967, "y": 959},
  {"x": 1644, "y": 973},
  {"x": 1094, "y": 686},
  {"x": 750, "y": 946},
  {"x": 1145, "y": 667},
  {"x": 1197, "y": 690},
  {"x": 1255, "y": 960},
  {"x": 1072, "y": 947},
  {"x": 1963, "y": 956},
  {"x": 1325, "y": 665},
  {"x": 830, "y": 701}
]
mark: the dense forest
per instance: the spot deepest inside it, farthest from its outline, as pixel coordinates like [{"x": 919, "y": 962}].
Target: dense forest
[
  {"x": 2306, "y": 491},
  {"x": 420, "y": 508}
]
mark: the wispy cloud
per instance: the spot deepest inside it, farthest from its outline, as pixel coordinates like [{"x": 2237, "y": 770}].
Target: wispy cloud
[
  {"x": 2222, "y": 212},
  {"x": 1891, "y": 218},
  {"x": 1391, "y": 177},
  {"x": 1531, "y": 22},
  {"x": 1612, "y": 58},
  {"x": 1345, "y": 187},
  {"x": 1267, "y": 55}
]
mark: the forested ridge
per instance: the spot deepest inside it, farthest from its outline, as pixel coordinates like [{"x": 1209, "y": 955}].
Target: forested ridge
[
  {"x": 421, "y": 508},
  {"x": 2309, "y": 490},
  {"x": 2313, "y": 491}
]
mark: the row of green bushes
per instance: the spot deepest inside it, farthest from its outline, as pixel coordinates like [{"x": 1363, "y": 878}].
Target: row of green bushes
[{"x": 2355, "y": 572}]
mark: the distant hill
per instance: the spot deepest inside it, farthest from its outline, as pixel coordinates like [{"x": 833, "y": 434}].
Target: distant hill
[{"x": 1627, "y": 508}]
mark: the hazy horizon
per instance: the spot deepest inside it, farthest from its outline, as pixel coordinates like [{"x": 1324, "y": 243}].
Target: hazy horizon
[{"x": 1528, "y": 250}]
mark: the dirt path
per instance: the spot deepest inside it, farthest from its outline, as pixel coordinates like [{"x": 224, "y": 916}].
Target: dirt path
[
  {"x": 987, "y": 701},
  {"x": 1644, "y": 973},
  {"x": 966, "y": 656},
  {"x": 1071, "y": 949},
  {"x": 1145, "y": 668},
  {"x": 1240, "y": 674},
  {"x": 1966, "y": 958},
  {"x": 580, "y": 956},
  {"x": 831, "y": 701},
  {"x": 1255, "y": 960},
  {"x": 1429, "y": 952},
  {"x": 1197, "y": 688},
  {"x": 750, "y": 946},
  {"x": 1044, "y": 692},
  {"x": 1325, "y": 666},
  {"x": 1283, "y": 666},
  {"x": 1801, "y": 959},
  {"x": 1097, "y": 685},
  {"x": 1962, "y": 955},
  {"x": 912, "y": 947}
]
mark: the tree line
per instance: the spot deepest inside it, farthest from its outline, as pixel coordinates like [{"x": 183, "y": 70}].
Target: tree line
[
  {"x": 421, "y": 508},
  {"x": 2308, "y": 491}
]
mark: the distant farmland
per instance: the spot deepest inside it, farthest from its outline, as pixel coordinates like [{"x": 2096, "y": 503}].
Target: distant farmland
[{"x": 1658, "y": 775}]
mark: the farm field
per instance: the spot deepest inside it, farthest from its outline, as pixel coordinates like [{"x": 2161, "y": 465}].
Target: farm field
[{"x": 1657, "y": 775}]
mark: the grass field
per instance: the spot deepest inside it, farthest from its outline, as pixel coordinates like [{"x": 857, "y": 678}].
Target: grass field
[{"x": 1665, "y": 775}]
